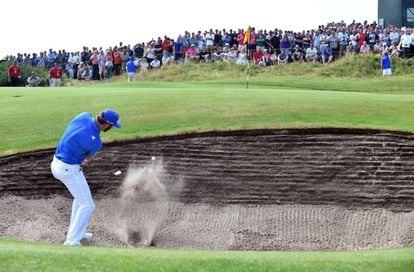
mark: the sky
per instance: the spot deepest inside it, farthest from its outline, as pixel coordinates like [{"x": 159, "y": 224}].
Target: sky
[{"x": 31, "y": 26}]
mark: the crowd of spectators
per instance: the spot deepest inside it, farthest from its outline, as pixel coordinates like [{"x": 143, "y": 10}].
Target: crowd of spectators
[{"x": 263, "y": 47}]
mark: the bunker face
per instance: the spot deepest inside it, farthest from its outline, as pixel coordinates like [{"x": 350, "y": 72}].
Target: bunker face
[{"x": 314, "y": 189}]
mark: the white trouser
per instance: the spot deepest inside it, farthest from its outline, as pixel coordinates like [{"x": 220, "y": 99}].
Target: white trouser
[
  {"x": 83, "y": 205},
  {"x": 132, "y": 76}
]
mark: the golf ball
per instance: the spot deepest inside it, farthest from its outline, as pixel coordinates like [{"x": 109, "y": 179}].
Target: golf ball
[
  {"x": 117, "y": 173},
  {"x": 153, "y": 158}
]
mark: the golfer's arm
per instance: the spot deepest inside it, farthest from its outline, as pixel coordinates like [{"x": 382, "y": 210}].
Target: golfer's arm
[{"x": 87, "y": 160}]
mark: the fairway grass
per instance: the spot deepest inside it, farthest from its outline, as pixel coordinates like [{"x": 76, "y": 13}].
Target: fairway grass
[
  {"x": 26, "y": 256},
  {"x": 35, "y": 118}
]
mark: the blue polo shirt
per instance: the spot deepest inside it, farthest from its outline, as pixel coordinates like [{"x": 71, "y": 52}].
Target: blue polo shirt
[{"x": 80, "y": 140}]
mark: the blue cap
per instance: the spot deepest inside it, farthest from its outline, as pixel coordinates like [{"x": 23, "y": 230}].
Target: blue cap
[{"x": 111, "y": 117}]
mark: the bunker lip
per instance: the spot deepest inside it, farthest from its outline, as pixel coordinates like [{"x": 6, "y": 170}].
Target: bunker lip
[{"x": 265, "y": 189}]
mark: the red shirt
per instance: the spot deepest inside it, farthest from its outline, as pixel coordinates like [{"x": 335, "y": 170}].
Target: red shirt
[
  {"x": 55, "y": 72},
  {"x": 14, "y": 71}
]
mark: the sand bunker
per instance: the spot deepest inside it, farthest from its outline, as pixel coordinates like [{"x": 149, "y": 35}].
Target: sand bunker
[{"x": 310, "y": 189}]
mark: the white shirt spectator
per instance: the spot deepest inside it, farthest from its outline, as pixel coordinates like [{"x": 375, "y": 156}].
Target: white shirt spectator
[{"x": 405, "y": 41}]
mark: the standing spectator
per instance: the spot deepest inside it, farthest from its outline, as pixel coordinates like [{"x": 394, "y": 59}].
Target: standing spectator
[
  {"x": 178, "y": 46},
  {"x": 95, "y": 65},
  {"x": 125, "y": 56},
  {"x": 260, "y": 41},
  {"x": 131, "y": 69},
  {"x": 150, "y": 56},
  {"x": 285, "y": 44},
  {"x": 117, "y": 62},
  {"x": 101, "y": 63},
  {"x": 55, "y": 75},
  {"x": 109, "y": 64},
  {"x": 343, "y": 38},
  {"x": 139, "y": 51},
  {"x": 240, "y": 40},
  {"x": 33, "y": 80},
  {"x": 158, "y": 49},
  {"x": 360, "y": 39},
  {"x": 251, "y": 43},
  {"x": 386, "y": 65},
  {"x": 394, "y": 36},
  {"x": 405, "y": 43},
  {"x": 14, "y": 74}
]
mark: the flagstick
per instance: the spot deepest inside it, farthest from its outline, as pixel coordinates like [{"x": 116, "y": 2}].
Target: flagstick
[{"x": 248, "y": 70}]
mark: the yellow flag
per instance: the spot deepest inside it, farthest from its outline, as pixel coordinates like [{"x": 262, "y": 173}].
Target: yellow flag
[{"x": 246, "y": 36}]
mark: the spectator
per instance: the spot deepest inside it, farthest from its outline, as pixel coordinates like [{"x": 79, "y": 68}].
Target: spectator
[
  {"x": 178, "y": 47},
  {"x": 386, "y": 65},
  {"x": 131, "y": 69},
  {"x": 242, "y": 58},
  {"x": 117, "y": 60},
  {"x": 95, "y": 65},
  {"x": 109, "y": 64},
  {"x": 326, "y": 54},
  {"x": 155, "y": 63},
  {"x": 297, "y": 54},
  {"x": 55, "y": 75},
  {"x": 139, "y": 51},
  {"x": 282, "y": 58},
  {"x": 150, "y": 56},
  {"x": 395, "y": 50},
  {"x": 101, "y": 63},
  {"x": 14, "y": 74},
  {"x": 257, "y": 56},
  {"x": 166, "y": 58},
  {"x": 83, "y": 71},
  {"x": 191, "y": 54},
  {"x": 311, "y": 54},
  {"x": 33, "y": 80},
  {"x": 260, "y": 41},
  {"x": 365, "y": 49},
  {"x": 240, "y": 40},
  {"x": 405, "y": 43}
]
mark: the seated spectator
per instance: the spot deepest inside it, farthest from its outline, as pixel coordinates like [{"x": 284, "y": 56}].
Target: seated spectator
[
  {"x": 350, "y": 49},
  {"x": 257, "y": 56},
  {"x": 191, "y": 54},
  {"x": 395, "y": 50},
  {"x": 233, "y": 54},
  {"x": 297, "y": 54},
  {"x": 242, "y": 58},
  {"x": 167, "y": 58},
  {"x": 282, "y": 58},
  {"x": 33, "y": 80},
  {"x": 364, "y": 49},
  {"x": 155, "y": 63},
  {"x": 83, "y": 72},
  {"x": 311, "y": 54},
  {"x": 327, "y": 55}
]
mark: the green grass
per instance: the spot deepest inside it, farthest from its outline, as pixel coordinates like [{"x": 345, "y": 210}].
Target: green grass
[
  {"x": 36, "y": 118},
  {"x": 25, "y": 256}
]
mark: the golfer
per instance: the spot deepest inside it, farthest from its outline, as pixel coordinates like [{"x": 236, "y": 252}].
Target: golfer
[{"x": 79, "y": 143}]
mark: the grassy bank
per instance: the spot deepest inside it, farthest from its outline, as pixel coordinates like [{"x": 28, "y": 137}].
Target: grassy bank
[
  {"x": 25, "y": 256},
  {"x": 36, "y": 118}
]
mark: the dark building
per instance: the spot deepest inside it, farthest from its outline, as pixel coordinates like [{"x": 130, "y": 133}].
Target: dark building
[{"x": 396, "y": 12}]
